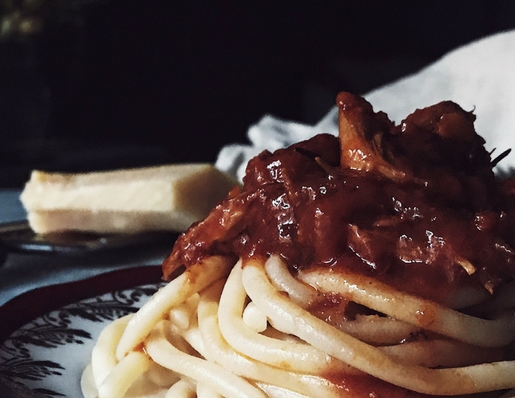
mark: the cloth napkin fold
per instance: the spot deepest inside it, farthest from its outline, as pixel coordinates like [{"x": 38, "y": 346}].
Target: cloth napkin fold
[{"x": 479, "y": 76}]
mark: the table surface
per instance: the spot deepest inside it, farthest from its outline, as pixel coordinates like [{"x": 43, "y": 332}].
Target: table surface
[{"x": 26, "y": 271}]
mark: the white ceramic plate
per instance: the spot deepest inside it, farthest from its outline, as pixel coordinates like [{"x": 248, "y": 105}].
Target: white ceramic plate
[{"x": 49, "y": 353}]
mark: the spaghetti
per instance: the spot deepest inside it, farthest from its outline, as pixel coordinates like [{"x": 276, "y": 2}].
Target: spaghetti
[{"x": 374, "y": 264}]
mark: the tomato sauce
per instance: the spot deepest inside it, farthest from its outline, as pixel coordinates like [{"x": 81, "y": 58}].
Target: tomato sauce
[{"x": 415, "y": 205}]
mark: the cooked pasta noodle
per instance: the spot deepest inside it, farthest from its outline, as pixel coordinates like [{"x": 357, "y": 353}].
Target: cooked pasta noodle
[
  {"x": 321, "y": 310},
  {"x": 235, "y": 361},
  {"x": 415, "y": 311},
  {"x": 292, "y": 319}
]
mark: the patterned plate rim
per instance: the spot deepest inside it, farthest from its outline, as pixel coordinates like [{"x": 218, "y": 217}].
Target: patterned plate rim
[{"x": 41, "y": 319}]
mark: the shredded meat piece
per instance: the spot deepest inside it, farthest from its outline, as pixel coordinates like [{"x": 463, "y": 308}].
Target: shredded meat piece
[{"x": 416, "y": 205}]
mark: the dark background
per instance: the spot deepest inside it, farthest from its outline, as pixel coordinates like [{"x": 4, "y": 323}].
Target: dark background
[{"x": 120, "y": 83}]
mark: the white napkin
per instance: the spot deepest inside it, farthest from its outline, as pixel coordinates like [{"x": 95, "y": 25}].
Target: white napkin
[{"x": 479, "y": 76}]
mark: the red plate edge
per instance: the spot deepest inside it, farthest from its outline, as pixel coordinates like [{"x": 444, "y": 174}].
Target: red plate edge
[{"x": 29, "y": 305}]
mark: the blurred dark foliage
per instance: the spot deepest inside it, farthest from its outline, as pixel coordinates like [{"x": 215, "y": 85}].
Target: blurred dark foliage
[{"x": 88, "y": 85}]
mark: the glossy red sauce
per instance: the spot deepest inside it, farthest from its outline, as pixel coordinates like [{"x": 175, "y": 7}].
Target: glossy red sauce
[
  {"x": 416, "y": 206},
  {"x": 366, "y": 386},
  {"x": 404, "y": 204}
]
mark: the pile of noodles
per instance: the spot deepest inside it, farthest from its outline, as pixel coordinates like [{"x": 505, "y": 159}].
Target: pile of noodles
[{"x": 241, "y": 321}]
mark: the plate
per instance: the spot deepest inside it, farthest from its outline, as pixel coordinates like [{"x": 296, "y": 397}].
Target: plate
[
  {"x": 49, "y": 353},
  {"x": 18, "y": 236}
]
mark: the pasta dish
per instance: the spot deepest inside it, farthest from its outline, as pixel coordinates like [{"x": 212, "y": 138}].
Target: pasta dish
[{"x": 379, "y": 263}]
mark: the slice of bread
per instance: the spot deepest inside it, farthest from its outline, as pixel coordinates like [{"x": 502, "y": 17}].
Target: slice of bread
[{"x": 169, "y": 198}]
